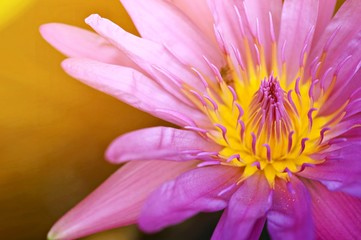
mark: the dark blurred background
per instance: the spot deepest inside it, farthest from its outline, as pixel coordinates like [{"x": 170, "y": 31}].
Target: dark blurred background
[{"x": 54, "y": 130}]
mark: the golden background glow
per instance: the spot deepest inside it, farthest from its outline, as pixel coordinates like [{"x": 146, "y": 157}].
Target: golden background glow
[{"x": 53, "y": 129}]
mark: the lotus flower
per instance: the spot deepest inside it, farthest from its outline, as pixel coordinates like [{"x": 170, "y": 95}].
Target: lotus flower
[{"x": 267, "y": 97}]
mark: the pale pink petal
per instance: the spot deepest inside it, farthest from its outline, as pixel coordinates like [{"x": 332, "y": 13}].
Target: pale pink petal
[
  {"x": 240, "y": 21},
  {"x": 198, "y": 11},
  {"x": 161, "y": 143},
  {"x": 336, "y": 215},
  {"x": 297, "y": 27},
  {"x": 227, "y": 24},
  {"x": 341, "y": 170},
  {"x": 153, "y": 57},
  {"x": 326, "y": 10},
  {"x": 130, "y": 86},
  {"x": 76, "y": 42},
  {"x": 290, "y": 216},
  {"x": 172, "y": 28},
  {"x": 246, "y": 212},
  {"x": 264, "y": 18},
  {"x": 117, "y": 202},
  {"x": 196, "y": 191}
]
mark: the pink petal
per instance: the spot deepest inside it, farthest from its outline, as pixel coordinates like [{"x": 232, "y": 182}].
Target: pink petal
[
  {"x": 350, "y": 91},
  {"x": 130, "y": 86},
  {"x": 290, "y": 216},
  {"x": 195, "y": 191},
  {"x": 158, "y": 143},
  {"x": 341, "y": 171},
  {"x": 118, "y": 200},
  {"x": 246, "y": 212},
  {"x": 342, "y": 38},
  {"x": 172, "y": 28},
  {"x": 76, "y": 42},
  {"x": 298, "y": 19},
  {"x": 227, "y": 26},
  {"x": 198, "y": 11},
  {"x": 336, "y": 215},
  {"x": 153, "y": 57},
  {"x": 258, "y": 14},
  {"x": 326, "y": 9}
]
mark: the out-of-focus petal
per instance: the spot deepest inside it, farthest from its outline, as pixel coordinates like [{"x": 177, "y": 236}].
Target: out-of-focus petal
[
  {"x": 297, "y": 27},
  {"x": 185, "y": 41},
  {"x": 153, "y": 57},
  {"x": 341, "y": 170},
  {"x": 198, "y": 11},
  {"x": 245, "y": 215},
  {"x": 132, "y": 87},
  {"x": 117, "y": 202},
  {"x": 290, "y": 216},
  {"x": 80, "y": 43},
  {"x": 336, "y": 215},
  {"x": 158, "y": 143},
  {"x": 196, "y": 191}
]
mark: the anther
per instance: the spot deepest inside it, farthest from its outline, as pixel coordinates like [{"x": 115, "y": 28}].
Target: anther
[
  {"x": 199, "y": 97},
  {"x": 233, "y": 92},
  {"x": 256, "y": 164},
  {"x": 223, "y": 130},
  {"x": 310, "y": 119},
  {"x": 254, "y": 140},
  {"x": 303, "y": 144},
  {"x": 268, "y": 151},
  {"x": 234, "y": 156},
  {"x": 322, "y": 133},
  {"x": 214, "y": 70},
  {"x": 200, "y": 76},
  {"x": 297, "y": 86},
  {"x": 272, "y": 28},
  {"x": 214, "y": 104}
]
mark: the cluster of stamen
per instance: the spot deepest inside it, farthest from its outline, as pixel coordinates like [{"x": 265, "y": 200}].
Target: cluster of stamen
[
  {"x": 270, "y": 110},
  {"x": 264, "y": 122}
]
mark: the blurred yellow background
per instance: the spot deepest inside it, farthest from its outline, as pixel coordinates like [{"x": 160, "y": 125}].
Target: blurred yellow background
[{"x": 53, "y": 129}]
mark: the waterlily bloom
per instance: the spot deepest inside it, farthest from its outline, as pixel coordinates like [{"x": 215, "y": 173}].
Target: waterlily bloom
[{"x": 267, "y": 96}]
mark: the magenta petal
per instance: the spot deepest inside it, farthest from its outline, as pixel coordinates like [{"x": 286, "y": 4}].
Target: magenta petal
[
  {"x": 341, "y": 170},
  {"x": 132, "y": 87},
  {"x": 326, "y": 10},
  {"x": 118, "y": 200},
  {"x": 246, "y": 212},
  {"x": 160, "y": 143},
  {"x": 341, "y": 41},
  {"x": 198, "y": 190},
  {"x": 290, "y": 215},
  {"x": 80, "y": 43},
  {"x": 336, "y": 215}
]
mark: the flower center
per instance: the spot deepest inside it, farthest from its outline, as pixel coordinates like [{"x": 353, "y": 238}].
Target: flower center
[
  {"x": 270, "y": 110},
  {"x": 264, "y": 122}
]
